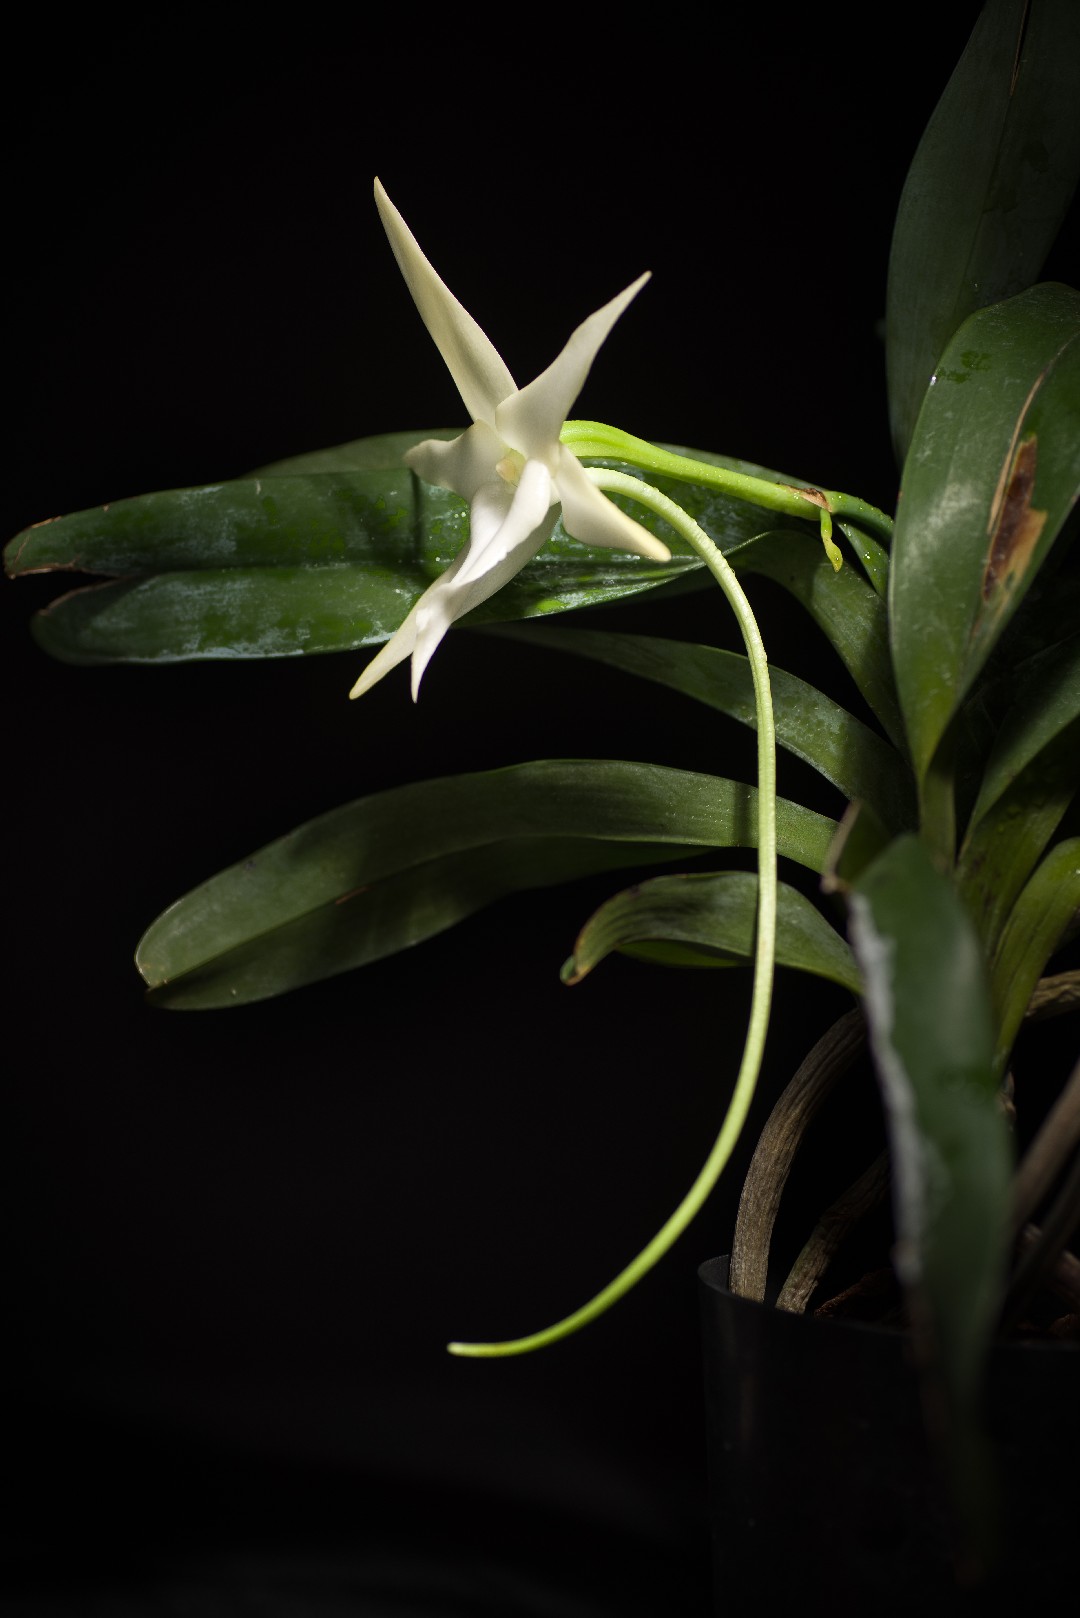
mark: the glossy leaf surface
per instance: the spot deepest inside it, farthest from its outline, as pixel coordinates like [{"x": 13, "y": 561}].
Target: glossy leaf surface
[
  {"x": 1046, "y": 698},
  {"x": 320, "y": 553},
  {"x": 986, "y": 191},
  {"x": 1043, "y": 915},
  {"x": 850, "y": 755},
  {"x": 927, "y": 1004},
  {"x": 843, "y": 605},
  {"x": 872, "y": 555},
  {"x": 1009, "y": 839},
  {"x": 708, "y": 919},
  {"x": 385, "y": 871},
  {"x": 993, "y": 473}
]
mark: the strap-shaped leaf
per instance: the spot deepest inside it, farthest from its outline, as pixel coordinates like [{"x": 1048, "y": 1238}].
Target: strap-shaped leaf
[
  {"x": 1046, "y": 700},
  {"x": 871, "y": 553},
  {"x": 275, "y": 610},
  {"x": 708, "y": 919},
  {"x": 993, "y": 473},
  {"x": 844, "y": 607},
  {"x": 1046, "y": 912},
  {"x": 808, "y": 723},
  {"x": 390, "y": 914},
  {"x": 385, "y": 871},
  {"x": 1006, "y": 844},
  {"x": 287, "y": 611},
  {"x": 1022, "y": 696},
  {"x": 927, "y": 1004},
  {"x": 309, "y": 519},
  {"x": 986, "y": 191},
  {"x": 320, "y": 553}
]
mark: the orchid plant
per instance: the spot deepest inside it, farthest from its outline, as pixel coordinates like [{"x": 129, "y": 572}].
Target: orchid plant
[{"x": 957, "y": 863}]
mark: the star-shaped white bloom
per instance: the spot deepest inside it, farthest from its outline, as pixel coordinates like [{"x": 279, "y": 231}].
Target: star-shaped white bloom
[{"x": 509, "y": 465}]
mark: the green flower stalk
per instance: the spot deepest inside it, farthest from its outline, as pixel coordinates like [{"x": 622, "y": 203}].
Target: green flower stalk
[
  {"x": 764, "y": 947},
  {"x": 518, "y": 465},
  {"x": 595, "y": 440}
]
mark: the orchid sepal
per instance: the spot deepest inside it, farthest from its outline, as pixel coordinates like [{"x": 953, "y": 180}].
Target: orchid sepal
[{"x": 509, "y": 465}]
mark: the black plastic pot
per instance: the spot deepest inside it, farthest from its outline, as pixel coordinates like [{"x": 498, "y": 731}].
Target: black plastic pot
[{"x": 823, "y": 1490}]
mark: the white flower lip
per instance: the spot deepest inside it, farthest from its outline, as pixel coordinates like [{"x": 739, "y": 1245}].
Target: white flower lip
[{"x": 509, "y": 465}]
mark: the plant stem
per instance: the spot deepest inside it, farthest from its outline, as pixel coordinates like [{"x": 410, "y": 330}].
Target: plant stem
[
  {"x": 1054, "y": 996},
  {"x": 1062, "y": 1278},
  {"x": 937, "y": 805},
  {"x": 595, "y": 440},
  {"x": 1039, "y": 1258},
  {"x": 1057, "y": 1139},
  {"x": 765, "y": 941},
  {"x": 798, "y": 1106},
  {"x": 835, "y": 1224}
]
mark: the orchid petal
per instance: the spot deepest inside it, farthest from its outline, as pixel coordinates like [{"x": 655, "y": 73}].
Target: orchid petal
[
  {"x": 478, "y": 369},
  {"x": 402, "y": 642},
  {"x": 594, "y": 520},
  {"x": 463, "y": 464},
  {"x": 490, "y": 583},
  {"x": 492, "y": 543},
  {"x": 446, "y": 608},
  {"x": 509, "y": 465},
  {"x": 507, "y": 528},
  {"x": 488, "y": 510},
  {"x": 531, "y": 420}
]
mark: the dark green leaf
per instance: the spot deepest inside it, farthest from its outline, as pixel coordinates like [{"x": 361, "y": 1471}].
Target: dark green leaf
[
  {"x": 809, "y": 724},
  {"x": 987, "y": 189},
  {"x": 382, "y": 873},
  {"x": 928, "y": 1008},
  {"x": 383, "y": 517},
  {"x": 710, "y": 919},
  {"x": 388, "y": 915},
  {"x": 873, "y": 556},
  {"x": 993, "y": 473},
  {"x": 286, "y": 611},
  {"x": 1046, "y": 700},
  {"x": 320, "y": 553},
  {"x": 1022, "y": 668},
  {"x": 860, "y": 837},
  {"x": 1002, "y": 850},
  {"x": 844, "y": 607},
  {"x": 1041, "y": 918}
]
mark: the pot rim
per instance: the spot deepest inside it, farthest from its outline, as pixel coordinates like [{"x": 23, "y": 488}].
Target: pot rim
[{"x": 713, "y": 1277}]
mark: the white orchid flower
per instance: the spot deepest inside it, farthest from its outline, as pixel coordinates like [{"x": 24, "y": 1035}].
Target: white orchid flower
[{"x": 509, "y": 465}]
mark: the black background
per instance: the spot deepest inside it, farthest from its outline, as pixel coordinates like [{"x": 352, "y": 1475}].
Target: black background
[{"x": 234, "y": 1244}]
